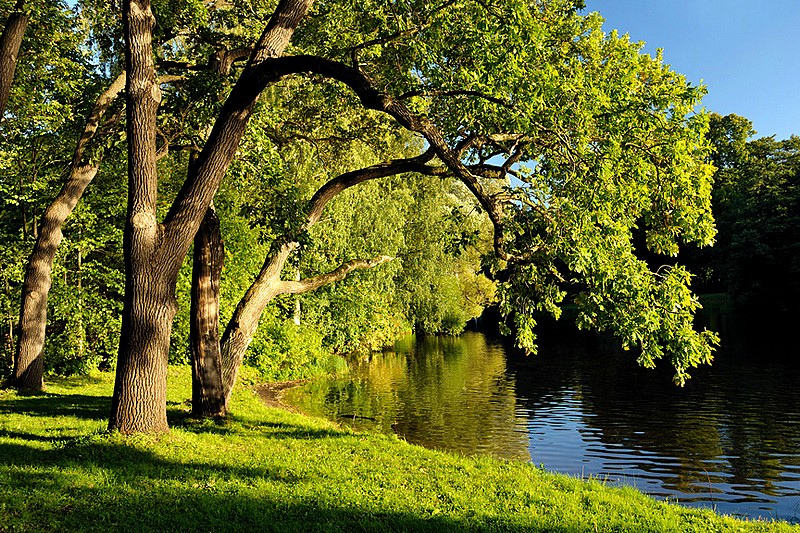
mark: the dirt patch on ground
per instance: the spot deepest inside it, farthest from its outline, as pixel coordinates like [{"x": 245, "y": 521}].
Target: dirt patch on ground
[{"x": 272, "y": 393}]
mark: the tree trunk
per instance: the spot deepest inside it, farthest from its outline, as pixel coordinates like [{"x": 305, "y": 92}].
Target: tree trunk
[
  {"x": 242, "y": 326},
  {"x": 154, "y": 252},
  {"x": 10, "y": 43},
  {"x": 140, "y": 389},
  {"x": 29, "y": 357},
  {"x": 209, "y": 252},
  {"x": 29, "y": 354}
]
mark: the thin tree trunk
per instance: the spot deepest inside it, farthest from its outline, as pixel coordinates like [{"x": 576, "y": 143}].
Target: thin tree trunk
[
  {"x": 209, "y": 253},
  {"x": 10, "y": 43},
  {"x": 242, "y": 326},
  {"x": 28, "y": 357}
]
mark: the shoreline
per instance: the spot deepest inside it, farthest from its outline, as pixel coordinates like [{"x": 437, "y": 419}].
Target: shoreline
[{"x": 271, "y": 393}]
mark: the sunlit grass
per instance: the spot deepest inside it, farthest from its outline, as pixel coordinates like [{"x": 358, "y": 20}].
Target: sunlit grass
[{"x": 270, "y": 470}]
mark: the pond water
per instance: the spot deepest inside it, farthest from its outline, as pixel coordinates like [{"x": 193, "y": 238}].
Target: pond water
[{"x": 728, "y": 440}]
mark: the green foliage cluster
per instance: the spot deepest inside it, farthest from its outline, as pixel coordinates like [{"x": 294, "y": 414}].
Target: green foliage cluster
[
  {"x": 283, "y": 350},
  {"x": 268, "y": 468},
  {"x": 757, "y": 207}
]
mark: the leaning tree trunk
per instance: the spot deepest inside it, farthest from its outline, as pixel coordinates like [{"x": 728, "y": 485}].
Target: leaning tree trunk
[
  {"x": 29, "y": 353},
  {"x": 10, "y": 43},
  {"x": 209, "y": 253},
  {"x": 243, "y": 324},
  {"x": 29, "y": 357}
]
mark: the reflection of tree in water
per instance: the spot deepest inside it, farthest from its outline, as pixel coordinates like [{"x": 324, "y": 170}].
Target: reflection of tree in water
[
  {"x": 736, "y": 423},
  {"x": 441, "y": 392}
]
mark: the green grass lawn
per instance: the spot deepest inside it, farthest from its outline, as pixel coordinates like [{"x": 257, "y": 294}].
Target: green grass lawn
[{"x": 269, "y": 470}]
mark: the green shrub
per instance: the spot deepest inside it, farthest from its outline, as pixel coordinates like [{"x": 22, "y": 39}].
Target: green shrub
[{"x": 283, "y": 350}]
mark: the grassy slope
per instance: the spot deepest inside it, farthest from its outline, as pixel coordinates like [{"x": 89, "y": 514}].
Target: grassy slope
[{"x": 269, "y": 470}]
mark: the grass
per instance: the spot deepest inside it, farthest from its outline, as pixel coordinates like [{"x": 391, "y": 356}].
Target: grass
[{"x": 269, "y": 470}]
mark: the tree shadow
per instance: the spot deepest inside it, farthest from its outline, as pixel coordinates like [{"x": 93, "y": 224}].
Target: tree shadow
[
  {"x": 50, "y": 405},
  {"x": 132, "y": 495}
]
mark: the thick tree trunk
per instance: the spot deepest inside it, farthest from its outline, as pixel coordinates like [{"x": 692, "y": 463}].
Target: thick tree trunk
[
  {"x": 139, "y": 402},
  {"x": 209, "y": 252},
  {"x": 153, "y": 252},
  {"x": 10, "y": 43},
  {"x": 29, "y": 354}
]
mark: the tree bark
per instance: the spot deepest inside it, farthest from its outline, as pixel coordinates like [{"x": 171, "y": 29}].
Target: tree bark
[
  {"x": 29, "y": 354},
  {"x": 209, "y": 253},
  {"x": 140, "y": 389},
  {"x": 10, "y": 43},
  {"x": 154, "y": 252}
]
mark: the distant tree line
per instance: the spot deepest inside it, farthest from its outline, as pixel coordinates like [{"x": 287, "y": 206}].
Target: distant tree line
[{"x": 756, "y": 205}]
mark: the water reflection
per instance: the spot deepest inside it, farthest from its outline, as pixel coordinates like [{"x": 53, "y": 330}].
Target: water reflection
[
  {"x": 446, "y": 393},
  {"x": 730, "y": 439}
]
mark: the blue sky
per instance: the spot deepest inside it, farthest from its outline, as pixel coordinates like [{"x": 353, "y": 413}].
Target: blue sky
[{"x": 746, "y": 52}]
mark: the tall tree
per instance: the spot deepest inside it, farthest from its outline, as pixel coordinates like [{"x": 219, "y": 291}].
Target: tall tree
[
  {"x": 599, "y": 138},
  {"x": 155, "y": 251},
  {"x": 29, "y": 357}
]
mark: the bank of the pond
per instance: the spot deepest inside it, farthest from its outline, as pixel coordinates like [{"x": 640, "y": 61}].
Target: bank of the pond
[{"x": 267, "y": 469}]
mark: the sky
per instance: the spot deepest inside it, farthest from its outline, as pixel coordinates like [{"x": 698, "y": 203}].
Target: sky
[{"x": 746, "y": 52}]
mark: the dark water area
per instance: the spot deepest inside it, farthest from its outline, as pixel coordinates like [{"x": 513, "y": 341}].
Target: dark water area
[{"x": 728, "y": 440}]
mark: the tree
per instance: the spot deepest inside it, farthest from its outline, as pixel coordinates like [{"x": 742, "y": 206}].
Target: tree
[
  {"x": 154, "y": 252},
  {"x": 29, "y": 359},
  {"x": 10, "y": 43},
  {"x": 756, "y": 204},
  {"x": 566, "y": 137},
  {"x": 38, "y": 130}
]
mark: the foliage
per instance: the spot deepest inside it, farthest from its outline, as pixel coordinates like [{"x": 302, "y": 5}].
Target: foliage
[
  {"x": 283, "y": 350},
  {"x": 756, "y": 204},
  {"x": 581, "y": 138},
  {"x": 268, "y": 466}
]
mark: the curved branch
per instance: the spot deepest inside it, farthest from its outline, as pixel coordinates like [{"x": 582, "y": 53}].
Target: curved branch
[
  {"x": 372, "y": 98},
  {"x": 381, "y": 170}
]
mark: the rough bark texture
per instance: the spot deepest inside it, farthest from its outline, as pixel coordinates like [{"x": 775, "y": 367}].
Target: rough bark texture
[
  {"x": 29, "y": 354},
  {"x": 10, "y": 43},
  {"x": 209, "y": 253},
  {"x": 139, "y": 402},
  {"x": 154, "y": 252}
]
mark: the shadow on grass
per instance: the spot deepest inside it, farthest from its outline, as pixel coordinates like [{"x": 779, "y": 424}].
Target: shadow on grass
[
  {"x": 247, "y": 427},
  {"x": 101, "y": 485},
  {"x": 52, "y": 405}
]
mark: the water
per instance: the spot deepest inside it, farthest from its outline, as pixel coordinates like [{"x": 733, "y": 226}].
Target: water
[{"x": 729, "y": 440}]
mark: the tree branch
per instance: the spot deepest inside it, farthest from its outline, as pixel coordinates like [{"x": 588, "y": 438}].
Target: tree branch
[
  {"x": 371, "y": 98},
  {"x": 315, "y": 282}
]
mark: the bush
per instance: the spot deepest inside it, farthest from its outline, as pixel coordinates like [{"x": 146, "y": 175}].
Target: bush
[{"x": 283, "y": 350}]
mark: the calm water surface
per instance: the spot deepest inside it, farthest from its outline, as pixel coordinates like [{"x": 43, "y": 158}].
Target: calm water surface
[{"x": 729, "y": 440}]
